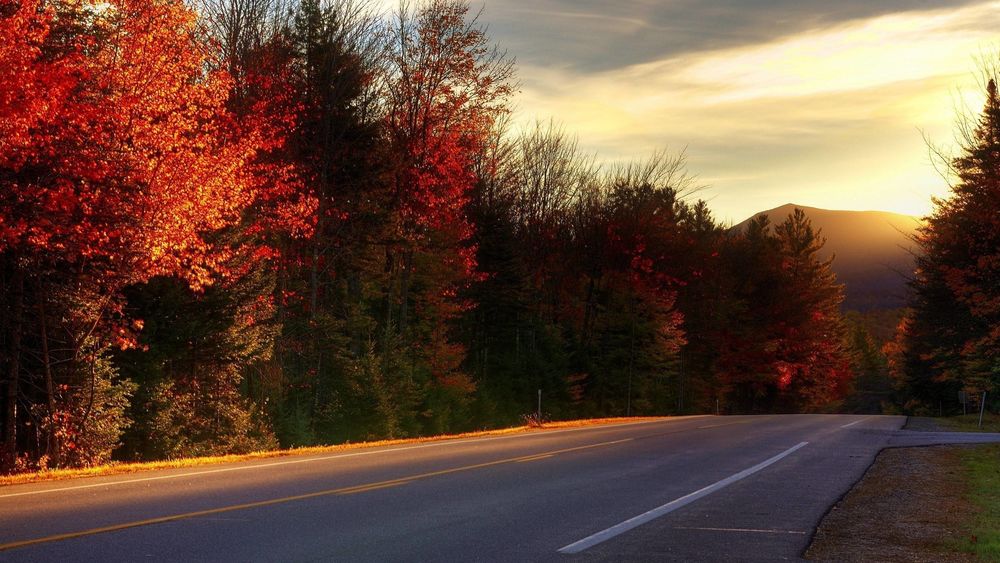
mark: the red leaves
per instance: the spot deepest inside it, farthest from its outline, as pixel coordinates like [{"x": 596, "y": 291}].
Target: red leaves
[
  {"x": 31, "y": 88},
  {"x": 438, "y": 185},
  {"x": 118, "y": 153},
  {"x": 787, "y": 345}
]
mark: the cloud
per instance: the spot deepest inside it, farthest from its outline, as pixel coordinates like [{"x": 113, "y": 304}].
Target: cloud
[
  {"x": 817, "y": 102},
  {"x": 832, "y": 114},
  {"x": 598, "y": 35}
]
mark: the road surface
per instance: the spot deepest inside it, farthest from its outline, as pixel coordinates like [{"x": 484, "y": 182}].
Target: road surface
[{"x": 687, "y": 489}]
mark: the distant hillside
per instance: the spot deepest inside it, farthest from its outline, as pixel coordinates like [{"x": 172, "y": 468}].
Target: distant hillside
[{"x": 871, "y": 252}]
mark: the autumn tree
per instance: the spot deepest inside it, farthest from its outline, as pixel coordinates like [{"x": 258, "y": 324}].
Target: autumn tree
[
  {"x": 258, "y": 221},
  {"x": 706, "y": 299},
  {"x": 951, "y": 336},
  {"x": 785, "y": 346},
  {"x": 447, "y": 87},
  {"x": 627, "y": 236},
  {"x": 126, "y": 166},
  {"x": 588, "y": 315},
  {"x": 815, "y": 365},
  {"x": 527, "y": 184}
]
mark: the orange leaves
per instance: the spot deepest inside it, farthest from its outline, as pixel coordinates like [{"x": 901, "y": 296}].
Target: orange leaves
[
  {"x": 447, "y": 88},
  {"x": 129, "y": 157},
  {"x": 438, "y": 186},
  {"x": 30, "y": 87}
]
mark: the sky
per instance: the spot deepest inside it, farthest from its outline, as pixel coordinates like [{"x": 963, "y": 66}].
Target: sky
[{"x": 816, "y": 102}]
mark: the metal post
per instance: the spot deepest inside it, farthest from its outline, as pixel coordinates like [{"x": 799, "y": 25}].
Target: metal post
[
  {"x": 982, "y": 408},
  {"x": 539, "y": 414},
  {"x": 628, "y": 397},
  {"x": 716, "y": 406}
]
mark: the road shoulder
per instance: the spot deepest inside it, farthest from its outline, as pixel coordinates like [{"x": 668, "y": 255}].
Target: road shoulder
[{"x": 911, "y": 505}]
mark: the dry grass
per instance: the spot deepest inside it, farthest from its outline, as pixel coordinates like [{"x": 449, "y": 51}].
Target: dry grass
[
  {"x": 911, "y": 506},
  {"x": 970, "y": 423},
  {"x": 122, "y": 468}
]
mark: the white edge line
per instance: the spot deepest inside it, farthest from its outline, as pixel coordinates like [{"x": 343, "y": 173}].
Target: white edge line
[
  {"x": 855, "y": 422},
  {"x": 743, "y": 530},
  {"x": 444, "y": 442},
  {"x": 634, "y": 522}
]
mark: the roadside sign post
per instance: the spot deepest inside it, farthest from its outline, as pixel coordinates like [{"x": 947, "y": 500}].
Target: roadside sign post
[
  {"x": 539, "y": 413},
  {"x": 982, "y": 408}
]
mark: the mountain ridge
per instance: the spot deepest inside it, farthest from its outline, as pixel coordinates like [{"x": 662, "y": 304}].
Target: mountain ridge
[{"x": 872, "y": 251}]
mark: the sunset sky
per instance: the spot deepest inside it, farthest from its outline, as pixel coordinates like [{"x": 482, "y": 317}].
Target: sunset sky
[{"x": 808, "y": 101}]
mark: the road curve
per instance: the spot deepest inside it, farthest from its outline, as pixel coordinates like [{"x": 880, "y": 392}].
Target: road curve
[{"x": 687, "y": 489}]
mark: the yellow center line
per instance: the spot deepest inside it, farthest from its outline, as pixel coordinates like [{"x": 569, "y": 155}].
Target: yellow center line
[
  {"x": 373, "y": 487},
  {"x": 535, "y": 458},
  {"x": 748, "y": 421},
  {"x": 723, "y": 424},
  {"x": 330, "y": 492}
]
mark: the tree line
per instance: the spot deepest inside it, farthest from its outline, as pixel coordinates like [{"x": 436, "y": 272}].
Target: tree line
[{"x": 248, "y": 223}]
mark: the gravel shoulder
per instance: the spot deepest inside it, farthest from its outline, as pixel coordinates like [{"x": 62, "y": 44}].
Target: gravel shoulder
[
  {"x": 925, "y": 424},
  {"x": 918, "y": 504},
  {"x": 909, "y": 507}
]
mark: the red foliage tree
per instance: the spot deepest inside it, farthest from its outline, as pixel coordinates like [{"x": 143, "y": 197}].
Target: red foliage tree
[
  {"x": 128, "y": 160},
  {"x": 447, "y": 88},
  {"x": 785, "y": 349},
  {"x": 117, "y": 158}
]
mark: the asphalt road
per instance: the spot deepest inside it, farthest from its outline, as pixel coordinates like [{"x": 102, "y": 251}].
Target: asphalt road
[{"x": 738, "y": 488}]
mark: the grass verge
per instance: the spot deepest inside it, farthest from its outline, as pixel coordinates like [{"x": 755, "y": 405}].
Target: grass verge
[
  {"x": 983, "y": 477},
  {"x": 970, "y": 423},
  {"x": 123, "y": 468},
  {"x": 911, "y": 505}
]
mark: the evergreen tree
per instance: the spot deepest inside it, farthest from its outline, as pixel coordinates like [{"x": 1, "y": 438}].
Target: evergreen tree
[
  {"x": 872, "y": 391},
  {"x": 951, "y": 339},
  {"x": 196, "y": 365},
  {"x": 786, "y": 349}
]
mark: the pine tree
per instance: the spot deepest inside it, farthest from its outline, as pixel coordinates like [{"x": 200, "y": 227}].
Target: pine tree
[
  {"x": 952, "y": 336},
  {"x": 815, "y": 363},
  {"x": 784, "y": 348}
]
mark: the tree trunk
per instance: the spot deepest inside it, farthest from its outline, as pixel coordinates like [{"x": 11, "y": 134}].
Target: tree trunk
[
  {"x": 405, "y": 291},
  {"x": 354, "y": 298},
  {"x": 588, "y": 310},
  {"x": 390, "y": 266},
  {"x": 316, "y": 253},
  {"x": 52, "y": 439},
  {"x": 631, "y": 352},
  {"x": 14, "y": 363},
  {"x": 314, "y": 284}
]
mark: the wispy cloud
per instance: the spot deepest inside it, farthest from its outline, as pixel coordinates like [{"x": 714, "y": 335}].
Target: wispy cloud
[
  {"x": 830, "y": 116},
  {"x": 817, "y": 102},
  {"x": 600, "y": 35}
]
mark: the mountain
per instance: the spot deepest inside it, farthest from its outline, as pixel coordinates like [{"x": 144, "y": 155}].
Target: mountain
[{"x": 872, "y": 252}]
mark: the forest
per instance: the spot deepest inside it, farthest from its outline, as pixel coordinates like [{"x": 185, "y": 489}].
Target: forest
[{"x": 236, "y": 225}]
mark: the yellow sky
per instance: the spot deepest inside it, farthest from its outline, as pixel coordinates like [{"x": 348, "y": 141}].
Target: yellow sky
[
  {"x": 830, "y": 118},
  {"x": 830, "y": 114}
]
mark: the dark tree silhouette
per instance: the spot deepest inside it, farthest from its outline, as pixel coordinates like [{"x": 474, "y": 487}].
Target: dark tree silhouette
[{"x": 951, "y": 338}]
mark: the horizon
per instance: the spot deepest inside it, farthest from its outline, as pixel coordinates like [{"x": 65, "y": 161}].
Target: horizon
[{"x": 812, "y": 207}]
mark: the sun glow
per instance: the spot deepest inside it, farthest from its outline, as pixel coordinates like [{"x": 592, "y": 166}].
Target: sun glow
[{"x": 833, "y": 117}]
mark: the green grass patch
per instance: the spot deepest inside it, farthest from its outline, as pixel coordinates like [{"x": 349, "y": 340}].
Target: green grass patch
[
  {"x": 983, "y": 465},
  {"x": 970, "y": 423}
]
